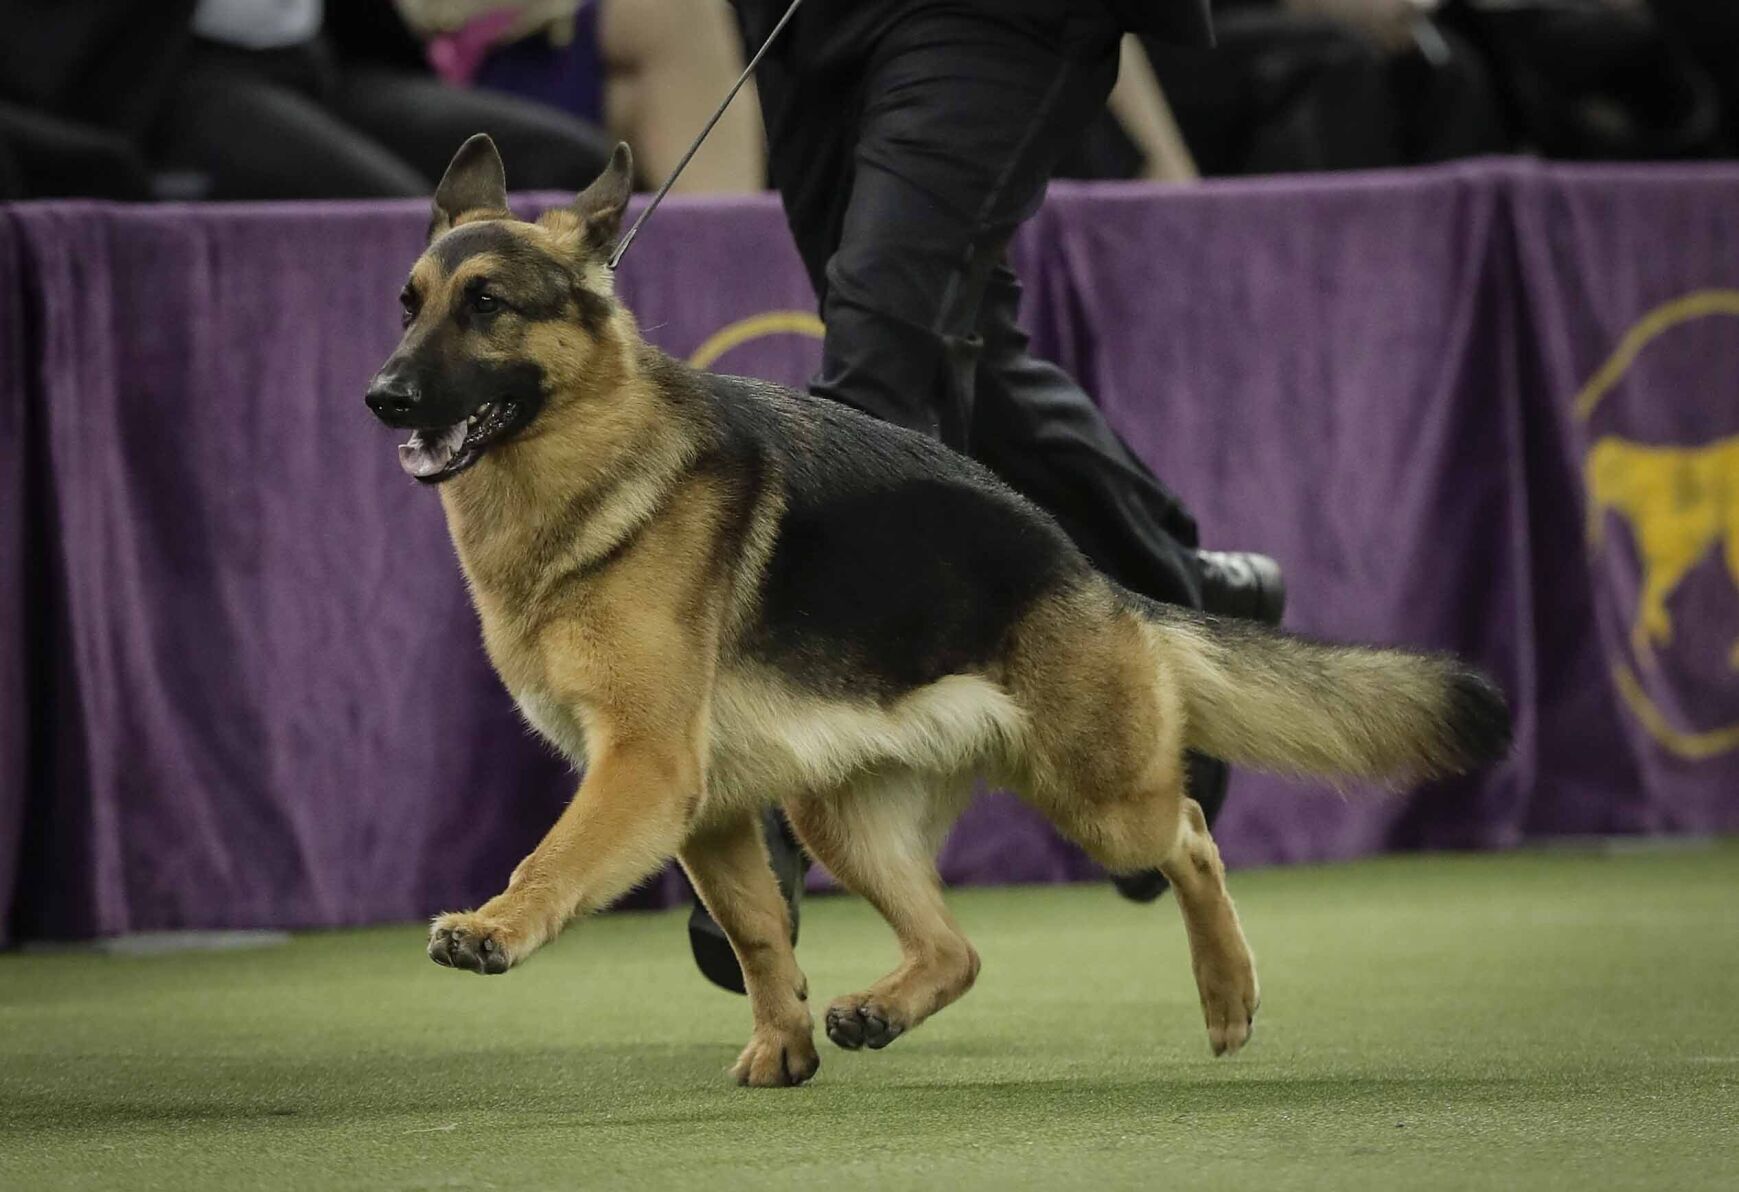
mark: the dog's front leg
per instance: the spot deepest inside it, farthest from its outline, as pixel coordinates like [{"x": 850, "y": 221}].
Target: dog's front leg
[
  {"x": 629, "y": 817},
  {"x": 727, "y": 862}
]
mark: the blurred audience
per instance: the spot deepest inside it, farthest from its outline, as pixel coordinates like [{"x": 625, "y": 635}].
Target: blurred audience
[
  {"x": 249, "y": 99},
  {"x": 237, "y": 99},
  {"x": 1348, "y": 84},
  {"x": 1596, "y": 79},
  {"x": 271, "y": 105},
  {"x": 1709, "y": 31},
  {"x": 1331, "y": 84},
  {"x": 80, "y": 83},
  {"x": 650, "y": 71},
  {"x": 1138, "y": 134}
]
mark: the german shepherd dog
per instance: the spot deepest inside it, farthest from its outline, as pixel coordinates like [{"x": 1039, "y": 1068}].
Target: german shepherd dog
[{"x": 715, "y": 594}]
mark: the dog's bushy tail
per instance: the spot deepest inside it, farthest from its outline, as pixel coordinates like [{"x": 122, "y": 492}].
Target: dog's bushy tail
[{"x": 1272, "y": 701}]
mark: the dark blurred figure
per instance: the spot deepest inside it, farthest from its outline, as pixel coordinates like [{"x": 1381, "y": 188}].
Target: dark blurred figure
[
  {"x": 249, "y": 99},
  {"x": 1351, "y": 84},
  {"x": 293, "y": 110},
  {"x": 1594, "y": 79},
  {"x": 1708, "y": 30},
  {"x": 1298, "y": 85},
  {"x": 80, "y": 83}
]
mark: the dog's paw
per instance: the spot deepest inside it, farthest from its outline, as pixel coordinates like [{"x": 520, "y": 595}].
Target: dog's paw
[
  {"x": 466, "y": 940},
  {"x": 776, "y": 1058},
  {"x": 860, "y": 1020},
  {"x": 1230, "y": 999}
]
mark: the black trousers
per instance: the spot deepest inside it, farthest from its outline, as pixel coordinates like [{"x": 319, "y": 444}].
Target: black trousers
[
  {"x": 299, "y": 123},
  {"x": 909, "y": 139}
]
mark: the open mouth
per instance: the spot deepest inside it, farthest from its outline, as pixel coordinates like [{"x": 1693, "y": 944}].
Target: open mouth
[{"x": 435, "y": 454}]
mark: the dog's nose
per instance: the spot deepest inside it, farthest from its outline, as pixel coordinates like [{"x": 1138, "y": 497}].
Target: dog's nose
[{"x": 392, "y": 398}]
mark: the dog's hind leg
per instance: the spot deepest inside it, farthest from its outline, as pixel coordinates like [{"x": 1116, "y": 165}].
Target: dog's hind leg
[
  {"x": 1106, "y": 766},
  {"x": 1220, "y": 957},
  {"x": 1162, "y": 827},
  {"x": 879, "y": 838},
  {"x": 728, "y": 865}
]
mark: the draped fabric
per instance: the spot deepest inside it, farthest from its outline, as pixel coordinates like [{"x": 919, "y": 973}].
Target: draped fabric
[
  {"x": 242, "y": 682},
  {"x": 16, "y": 661}
]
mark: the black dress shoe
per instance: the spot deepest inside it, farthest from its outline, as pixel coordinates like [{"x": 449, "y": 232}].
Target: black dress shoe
[
  {"x": 1234, "y": 584},
  {"x": 712, "y": 950},
  {"x": 1241, "y": 584}
]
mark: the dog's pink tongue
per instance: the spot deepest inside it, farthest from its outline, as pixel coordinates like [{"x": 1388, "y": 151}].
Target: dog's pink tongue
[{"x": 428, "y": 452}]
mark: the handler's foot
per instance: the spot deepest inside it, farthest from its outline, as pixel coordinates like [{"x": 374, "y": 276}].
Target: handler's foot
[
  {"x": 712, "y": 950},
  {"x": 1234, "y": 584},
  {"x": 1242, "y": 584}
]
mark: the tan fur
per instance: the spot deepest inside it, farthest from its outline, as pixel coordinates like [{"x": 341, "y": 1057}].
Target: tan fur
[
  {"x": 1294, "y": 707},
  {"x": 614, "y": 614}
]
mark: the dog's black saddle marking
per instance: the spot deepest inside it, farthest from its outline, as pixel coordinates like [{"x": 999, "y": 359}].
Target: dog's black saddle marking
[{"x": 898, "y": 561}]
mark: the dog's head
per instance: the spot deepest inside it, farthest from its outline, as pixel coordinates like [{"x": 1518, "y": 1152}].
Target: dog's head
[{"x": 501, "y": 315}]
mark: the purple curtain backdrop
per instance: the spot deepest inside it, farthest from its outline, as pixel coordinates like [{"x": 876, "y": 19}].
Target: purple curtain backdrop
[
  {"x": 1610, "y": 257},
  {"x": 258, "y": 698},
  {"x": 15, "y": 628}
]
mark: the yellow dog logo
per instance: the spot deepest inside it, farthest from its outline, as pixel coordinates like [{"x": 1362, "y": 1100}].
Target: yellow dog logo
[
  {"x": 1681, "y": 503},
  {"x": 772, "y": 322}
]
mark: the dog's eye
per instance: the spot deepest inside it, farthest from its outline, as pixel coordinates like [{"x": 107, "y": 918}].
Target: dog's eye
[
  {"x": 409, "y": 305},
  {"x": 485, "y": 303}
]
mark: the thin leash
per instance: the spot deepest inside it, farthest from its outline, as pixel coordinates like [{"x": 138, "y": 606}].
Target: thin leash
[{"x": 658, "y": 198}]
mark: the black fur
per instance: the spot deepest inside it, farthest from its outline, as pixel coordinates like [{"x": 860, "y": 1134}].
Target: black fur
[
  {"x": 462, "y": 243},
  {"x": 1479, "y": 718},
  {"x": 898, "y": 562},
  {"x": 534, "y": 284},
  {"x": 455, "y": 385}
]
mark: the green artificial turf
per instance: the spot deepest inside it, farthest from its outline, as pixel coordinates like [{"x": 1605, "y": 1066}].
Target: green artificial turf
[{"x": 1526, "y": 1021}]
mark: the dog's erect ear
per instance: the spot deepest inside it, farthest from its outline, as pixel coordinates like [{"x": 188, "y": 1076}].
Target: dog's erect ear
[
  {"x": 474, "y": 182},
  {"x": 601, "y": 204}
]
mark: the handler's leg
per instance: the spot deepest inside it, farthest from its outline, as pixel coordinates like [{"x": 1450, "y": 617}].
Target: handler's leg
[
  {"x": 963, "y": 119},
  {"x": 964, "y": 114},
  {"x": 938, "y": 140},
  {"x": 1034, "y": 427}
]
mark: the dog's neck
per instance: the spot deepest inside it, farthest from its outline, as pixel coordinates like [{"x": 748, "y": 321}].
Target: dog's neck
[{"x": 596, "y": 466}]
